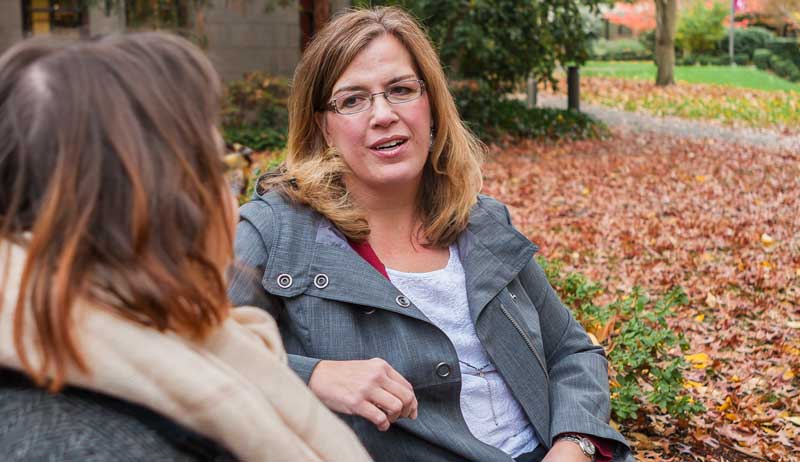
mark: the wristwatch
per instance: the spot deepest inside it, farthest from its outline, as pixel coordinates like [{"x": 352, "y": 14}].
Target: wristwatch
[{"x": 586, "y": 446}]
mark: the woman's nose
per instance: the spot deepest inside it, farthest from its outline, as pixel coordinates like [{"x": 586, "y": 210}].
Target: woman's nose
[{"x": 383, "y": 112}]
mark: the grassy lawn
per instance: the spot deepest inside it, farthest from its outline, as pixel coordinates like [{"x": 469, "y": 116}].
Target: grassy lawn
[{"x": 739, "y": 76}]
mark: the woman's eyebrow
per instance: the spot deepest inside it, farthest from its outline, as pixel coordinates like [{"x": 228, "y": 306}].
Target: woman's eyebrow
[{"x": 390, "y": 82}]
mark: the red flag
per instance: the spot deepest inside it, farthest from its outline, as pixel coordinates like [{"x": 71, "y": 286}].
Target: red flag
[{"x": 738, "y": 5}]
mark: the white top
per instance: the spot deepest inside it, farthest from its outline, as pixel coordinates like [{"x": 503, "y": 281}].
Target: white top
[{"x": 492, "y": 413}]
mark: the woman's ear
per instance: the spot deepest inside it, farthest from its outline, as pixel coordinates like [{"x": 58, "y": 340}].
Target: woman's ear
[{"x": 321, "y": 121}]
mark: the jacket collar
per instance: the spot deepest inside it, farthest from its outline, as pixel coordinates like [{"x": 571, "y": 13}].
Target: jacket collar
[{"x": 330, "y": 268}]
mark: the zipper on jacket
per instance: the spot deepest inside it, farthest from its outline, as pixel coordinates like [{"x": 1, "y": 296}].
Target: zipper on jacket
[{"x": 526, "y": 339}]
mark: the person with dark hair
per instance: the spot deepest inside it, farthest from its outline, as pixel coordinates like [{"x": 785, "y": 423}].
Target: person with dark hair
[
  {"x": 116, "y": 228},
  {"x": 406, "y": 300}
]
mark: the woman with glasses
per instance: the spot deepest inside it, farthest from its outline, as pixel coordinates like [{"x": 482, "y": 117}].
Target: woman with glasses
[{"x": 406, "y": 300}]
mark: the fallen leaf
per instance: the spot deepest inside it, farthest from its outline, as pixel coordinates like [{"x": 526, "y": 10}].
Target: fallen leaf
[
  {"x": 700, "y": 317},
  {"x": 699, "y": 360},
  {"x": 793, "y": 419}
]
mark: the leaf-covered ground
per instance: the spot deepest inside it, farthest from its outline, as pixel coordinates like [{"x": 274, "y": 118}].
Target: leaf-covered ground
[
  {"x": 738, "y": 107},
  {"x": 721, "y": 220}
]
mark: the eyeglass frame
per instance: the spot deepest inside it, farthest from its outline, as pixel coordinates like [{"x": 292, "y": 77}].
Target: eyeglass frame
[{"x": 331, "y": 106}]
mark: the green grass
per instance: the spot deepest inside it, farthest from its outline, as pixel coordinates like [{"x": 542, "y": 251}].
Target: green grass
[{"x": 738, "y": 76}]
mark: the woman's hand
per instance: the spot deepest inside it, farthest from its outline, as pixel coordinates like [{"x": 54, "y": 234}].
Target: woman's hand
[
  {"x": 565, "y": 451},
  {"x": 368, "y": 388}
]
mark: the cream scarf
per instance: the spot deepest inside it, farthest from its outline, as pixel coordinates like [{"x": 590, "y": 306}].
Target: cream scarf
[{"x": 234, "y": 387}]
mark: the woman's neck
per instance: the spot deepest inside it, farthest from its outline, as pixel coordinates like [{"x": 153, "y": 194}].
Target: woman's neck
[{"x": 394, "y": 223}]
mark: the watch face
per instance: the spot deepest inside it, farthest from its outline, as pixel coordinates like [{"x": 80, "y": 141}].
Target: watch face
[{"x": 587, "y": 446}]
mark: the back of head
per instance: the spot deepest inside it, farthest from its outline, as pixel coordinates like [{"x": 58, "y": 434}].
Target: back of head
[{"x": 110, "y": 177}]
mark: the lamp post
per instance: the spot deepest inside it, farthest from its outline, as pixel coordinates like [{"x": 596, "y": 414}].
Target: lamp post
[{"x": 730, "y": 32}]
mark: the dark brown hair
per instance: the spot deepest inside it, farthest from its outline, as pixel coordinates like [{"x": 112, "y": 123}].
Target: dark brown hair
[{"x": 111, "y": 178}]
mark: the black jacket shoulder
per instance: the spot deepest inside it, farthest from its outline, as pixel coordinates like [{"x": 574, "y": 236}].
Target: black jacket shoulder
[{"x": 78, "y": 425}]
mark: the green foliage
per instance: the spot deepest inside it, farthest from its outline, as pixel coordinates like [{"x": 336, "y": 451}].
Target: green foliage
[
  {"x": 255, "y": 113},
  {"x": 761, "y": 58},
  {"x": 784, "y": 68},
  {"x": 620, "y": 50},
  {"x": 786, "y": 48},
  {"x": 741, "y": 59},
  {"x": 503, "y": 41},
  {"x": 257, "y": 139},
  {"x": 644, "y": 353},
  {"x": 700, "y": 28},
  {"x": 746, "y": 41},
  {"x": 492, "y": 118}
]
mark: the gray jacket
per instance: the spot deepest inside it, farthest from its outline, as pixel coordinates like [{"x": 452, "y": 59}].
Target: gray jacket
[{"x": 331, "y": 304}]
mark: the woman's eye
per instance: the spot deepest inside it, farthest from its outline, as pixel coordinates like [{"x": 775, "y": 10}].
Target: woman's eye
[
  {"x": 400, "y": 91},
  {"x": 352, "y": 101}
]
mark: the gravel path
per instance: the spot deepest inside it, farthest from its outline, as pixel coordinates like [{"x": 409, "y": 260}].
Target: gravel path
[{"x": 639, "y": 122}]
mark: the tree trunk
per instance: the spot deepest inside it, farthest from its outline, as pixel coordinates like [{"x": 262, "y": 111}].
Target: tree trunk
[
  {"x": 666, "y": 24},
  {"x": 322, "y": 12}
]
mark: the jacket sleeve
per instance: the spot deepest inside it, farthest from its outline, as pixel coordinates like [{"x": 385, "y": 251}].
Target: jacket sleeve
[
  {"x": 578, "y": 386},
  {"x": 579, "y": 395},
  {"x": 251, "y": 247}
]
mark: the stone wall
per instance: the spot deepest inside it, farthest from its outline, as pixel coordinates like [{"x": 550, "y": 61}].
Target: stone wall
[
  {"x": 242, "y": 37},
  {"x": 10, "y": 23}
]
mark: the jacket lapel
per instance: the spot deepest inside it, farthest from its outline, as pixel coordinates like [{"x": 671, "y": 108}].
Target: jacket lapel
[{"x": 492, "y": 253}]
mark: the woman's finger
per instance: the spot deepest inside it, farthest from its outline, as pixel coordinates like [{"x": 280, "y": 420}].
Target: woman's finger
[
  {"x": 390, "y": 404},
  {"x": 404, "y": 394},
  {"x": 371, "y": 412}
]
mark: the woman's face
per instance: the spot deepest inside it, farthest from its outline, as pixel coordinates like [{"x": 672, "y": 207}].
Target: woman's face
[{"x": 385, "y": 146}]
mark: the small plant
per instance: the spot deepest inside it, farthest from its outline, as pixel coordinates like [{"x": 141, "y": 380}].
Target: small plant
[{"x": 644, "y": 353}]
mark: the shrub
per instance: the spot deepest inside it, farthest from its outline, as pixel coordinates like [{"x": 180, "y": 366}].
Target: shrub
[
  {"x": 786, "y": 48},
  {"x": 705, "y": 60},
  {"x": 747, "y": 41},
  {"x": 783, "y": 67},
  {"x": 761, "y": 58},
  {"x": 700, "y": 28},
  {"x": 741, "y": 59},
  {"x": 255, "y": 113},
  {"x": 492, "y": 118},
  {"x": 686, "y": 61},
  {"x": 644, "y": 353},
  {"x": 620, "y": 50}
]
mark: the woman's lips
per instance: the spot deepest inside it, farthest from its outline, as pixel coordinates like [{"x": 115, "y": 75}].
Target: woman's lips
[{"x": 391, "y": 152}]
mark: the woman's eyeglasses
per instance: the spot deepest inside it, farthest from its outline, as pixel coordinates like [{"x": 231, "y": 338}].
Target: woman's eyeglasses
[{"x": 360, "y": 101}]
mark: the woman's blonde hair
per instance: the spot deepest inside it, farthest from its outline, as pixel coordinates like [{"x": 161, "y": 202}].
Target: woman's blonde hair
[
  {"x": 111, "y": 166},
  {"x": 313, "y": 172}
]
